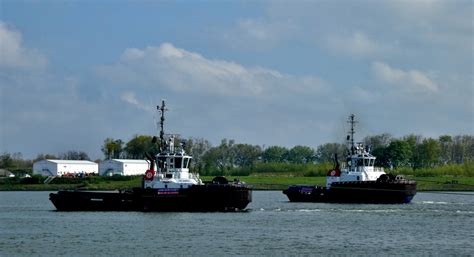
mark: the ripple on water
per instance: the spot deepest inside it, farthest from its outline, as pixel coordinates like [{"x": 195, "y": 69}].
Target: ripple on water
[{"x": 271, "y": 226}]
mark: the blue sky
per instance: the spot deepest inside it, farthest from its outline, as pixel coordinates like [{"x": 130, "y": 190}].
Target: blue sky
[{"x": 284, "y": 73}]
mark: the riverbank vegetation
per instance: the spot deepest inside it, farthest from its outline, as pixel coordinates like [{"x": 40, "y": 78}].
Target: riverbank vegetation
[
  {"x": 443, "y": 160},
  {"x": 258, "y": 182}
]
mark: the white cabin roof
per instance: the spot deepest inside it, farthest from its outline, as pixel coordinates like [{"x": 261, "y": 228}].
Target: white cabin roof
[
  {"x": 131, "y": 161},
  {"x": 71, "y": 162}
]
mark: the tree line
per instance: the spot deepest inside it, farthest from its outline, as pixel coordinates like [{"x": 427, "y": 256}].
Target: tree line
[
  {"x": 411, "y": 151},
  {"x": 16, "y": 161}
]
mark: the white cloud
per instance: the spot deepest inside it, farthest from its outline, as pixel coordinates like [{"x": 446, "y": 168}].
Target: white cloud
[
  {"x": 132, "y": 54},
  {"x": 130, "y": 97},
  {"x": 357, "y": 44},
  {"x": 412, "y": 80},
  {"x": 184, "y": 71},
  {"x": 255, "y": 29},
  {"x": 362, "y": 28},
  {"x": 14, "y": 55},
  {"x": 261, "y": 34},
  {"x": 446, "y": 24}
]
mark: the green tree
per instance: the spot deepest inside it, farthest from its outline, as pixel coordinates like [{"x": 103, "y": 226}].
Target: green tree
[
  {"x": 428, "y": 153},
  {"x": 215, "y": 162},
  {"x": 6, "y": 160},
  {"x": 219, "y": 160},
  {"x": 197, "y": 147},
  {"x": 378, "y": 141},
  {"x": 446, "y": 144},
  {"x": 463, "y": 148},
  {"x": 112, "y": 148},
  {"x": 325, "y": 153},
  {"x": 414, "y": 141},
  {"x": 274, "y": 154},
  {"x": 382, "y": 156},
  {"x": 15, "y": 163},
  {"x": 301, "y": 154},
  {"x": 74, "y": 155},
  {"x": 246, "y": 155},
  {"x": 378, "y": 145},
  {"x": 138, "y": 145},
  {"x": 399, "y": 153},
  {"x": 47, "y": 156}
]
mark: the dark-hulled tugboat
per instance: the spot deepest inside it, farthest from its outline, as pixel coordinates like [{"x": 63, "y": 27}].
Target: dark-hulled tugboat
[
  {"x": 358, "y": 182},
  {"x": 172, "y": 187}
]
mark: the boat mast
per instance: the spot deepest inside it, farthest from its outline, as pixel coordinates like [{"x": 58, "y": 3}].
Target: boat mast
[
  {"x": 352, "y": 121},
  {"x": 162, "y": 110}
]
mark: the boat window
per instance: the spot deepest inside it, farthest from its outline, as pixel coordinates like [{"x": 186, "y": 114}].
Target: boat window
[
  {"x": 186, "y": 162},
  {"x": 161, "y": 162},
  {"x": 170, "y": 163},
  {"x": 177, "y": 162},
  {"x": 366, "y": 162},
  {"x": 360, "y": 162}
]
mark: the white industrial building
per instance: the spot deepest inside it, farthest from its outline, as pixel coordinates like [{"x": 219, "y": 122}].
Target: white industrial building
[
  {"x": 124, "y": 167},
  {"x": 64, "y": 167}
]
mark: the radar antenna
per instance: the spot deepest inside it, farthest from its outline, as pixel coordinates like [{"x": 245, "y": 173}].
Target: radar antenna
[
  {"x": 352, "y": 121},
  {"x": 162, "y": 110}
]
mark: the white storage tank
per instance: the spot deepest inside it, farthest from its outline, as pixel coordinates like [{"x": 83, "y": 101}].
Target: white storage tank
[
  {"x": 124, "y": 167},
  {"x": 64, "y": 167}
]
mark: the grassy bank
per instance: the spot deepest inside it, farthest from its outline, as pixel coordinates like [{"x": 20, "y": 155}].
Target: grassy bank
[{"x": 258, "y": 182}]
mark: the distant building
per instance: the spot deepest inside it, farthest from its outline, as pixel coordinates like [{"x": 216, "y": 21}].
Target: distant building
[
  {"x": 6, "y": 173},
  {"x": 64, "y": 167},
  {"x": 124, "y": 167}
]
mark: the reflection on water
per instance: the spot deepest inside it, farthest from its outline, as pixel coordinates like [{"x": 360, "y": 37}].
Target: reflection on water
[{"x": 433, "y": 224}]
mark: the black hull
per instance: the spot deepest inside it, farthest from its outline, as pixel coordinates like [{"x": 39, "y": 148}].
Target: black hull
[
  {"x": 391, "y": 192},
  {"x": 198, "y": 198}
]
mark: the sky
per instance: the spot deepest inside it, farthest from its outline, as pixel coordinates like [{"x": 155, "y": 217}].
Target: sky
[{"x": 73, "y": 73}]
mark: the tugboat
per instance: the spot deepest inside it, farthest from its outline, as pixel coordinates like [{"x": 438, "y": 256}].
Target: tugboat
[
  {"x": 171, "y": 187},
  {"x": 358, "y": 182}
]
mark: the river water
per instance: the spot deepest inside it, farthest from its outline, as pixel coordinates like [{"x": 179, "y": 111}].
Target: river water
[{"x": 433, "y": 224}]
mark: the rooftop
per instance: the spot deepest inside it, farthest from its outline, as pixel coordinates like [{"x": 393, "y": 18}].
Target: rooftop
[
  {"x": 70, "y": 161},
  {"x": 130, "y": 160}
]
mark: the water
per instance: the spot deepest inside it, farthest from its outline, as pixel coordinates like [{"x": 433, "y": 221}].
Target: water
[{"x": 433, "y": 224}]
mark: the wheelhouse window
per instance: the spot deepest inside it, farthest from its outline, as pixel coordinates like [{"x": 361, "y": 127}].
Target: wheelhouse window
[
  {"x": 366, "y": 162},
  {"x": 186, "y": 162},
  {"x": 178, "y": 162},
  {"x": 161, "y": 162}
]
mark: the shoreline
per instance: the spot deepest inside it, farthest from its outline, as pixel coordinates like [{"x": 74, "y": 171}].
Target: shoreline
[
  {"x": 254, "y": 189},
  {"x": 258, "y": 183}
]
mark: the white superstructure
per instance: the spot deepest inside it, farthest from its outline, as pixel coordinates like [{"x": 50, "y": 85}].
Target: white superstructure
[
  {"x": 64, "y": 167},
  {"x": 123, "y": 167},
  {"x": 360, "y": 163},
  {"x": 172, "y": 170},
  {"x": 172, "y": 165}
]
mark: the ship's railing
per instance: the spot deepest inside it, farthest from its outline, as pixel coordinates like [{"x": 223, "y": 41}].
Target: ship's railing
[
  {"x": 367, "y": 169},
  {"x": 379, "y": 169},
  {"x": 194, "y": 176}
]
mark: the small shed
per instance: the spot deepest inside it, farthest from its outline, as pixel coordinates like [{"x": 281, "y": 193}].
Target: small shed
[
  {"x": 64, "y": 167},
  {"x": 6, "y": 173},
  {"x": 124, "y": 167}
]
